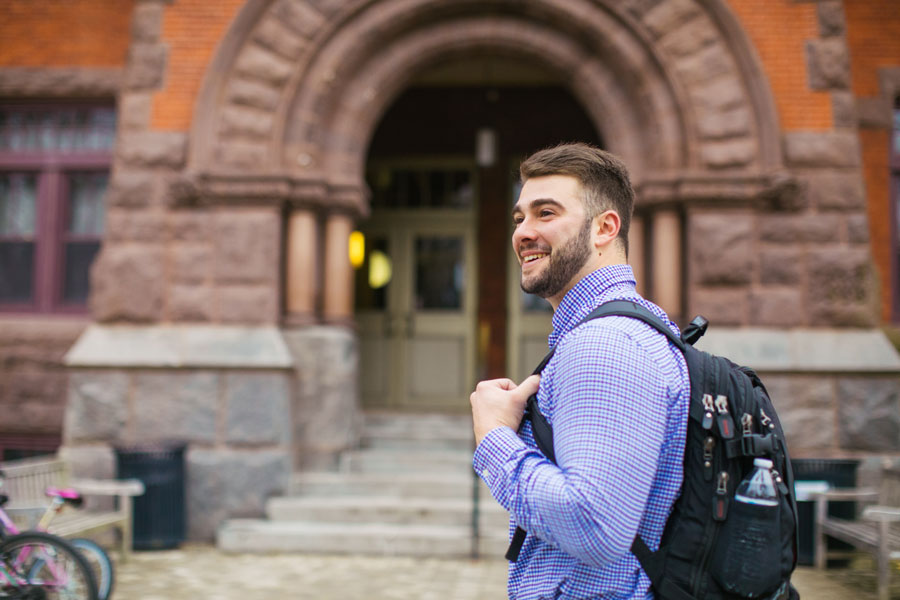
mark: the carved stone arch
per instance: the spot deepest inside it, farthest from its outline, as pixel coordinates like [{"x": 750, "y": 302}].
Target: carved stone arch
[
  {"x": 354, "y": 106},
  {"x": 298, "y": 85}
]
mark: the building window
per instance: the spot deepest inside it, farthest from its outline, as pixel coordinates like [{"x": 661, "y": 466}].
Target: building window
[{"x": 54, "y": 170}]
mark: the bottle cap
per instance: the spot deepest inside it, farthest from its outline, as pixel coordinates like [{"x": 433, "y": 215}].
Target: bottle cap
[{"x": 762, "y": 463}]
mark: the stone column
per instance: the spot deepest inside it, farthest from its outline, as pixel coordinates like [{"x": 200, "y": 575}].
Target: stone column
[
  {"x": 337, "y": 304},
  {"x": 636, "y": 255},
  {"x": 302, "y": 253},
  {"x": 666, "y": 258}
]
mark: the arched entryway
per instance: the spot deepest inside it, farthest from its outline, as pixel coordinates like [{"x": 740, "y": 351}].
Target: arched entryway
[
  {"x": 298, "y": 97},
  {"x": 441, "y": 168}
]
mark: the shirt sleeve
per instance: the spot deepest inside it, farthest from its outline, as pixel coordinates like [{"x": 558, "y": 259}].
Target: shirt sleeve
[{"x": 608, "y": 428}]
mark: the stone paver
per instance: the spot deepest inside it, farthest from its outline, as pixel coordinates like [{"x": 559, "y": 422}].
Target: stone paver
[{"x": 199, "y": 571}]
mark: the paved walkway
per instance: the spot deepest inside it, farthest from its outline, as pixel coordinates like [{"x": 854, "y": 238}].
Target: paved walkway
[{"x": 202, "y": 572}]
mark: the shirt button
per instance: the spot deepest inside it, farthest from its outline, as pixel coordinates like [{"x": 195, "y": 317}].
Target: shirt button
[{"x": 486, "y": 474}]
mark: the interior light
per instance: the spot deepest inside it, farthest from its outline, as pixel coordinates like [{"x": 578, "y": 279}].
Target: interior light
[
  {"x": 380, "y": 269},
  {"x": 357, "y": 249}
]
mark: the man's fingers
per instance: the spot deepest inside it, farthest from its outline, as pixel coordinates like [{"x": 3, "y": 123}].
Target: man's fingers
[
  {"x": 503, "y": 384},
  {"x": 530, "y": 385}
]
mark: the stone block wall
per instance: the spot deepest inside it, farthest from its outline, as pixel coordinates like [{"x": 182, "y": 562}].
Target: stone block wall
[
  {"x": 808, "y": 265},
  {"x": 33, "y": 388},
  {"x": 234, "y": 421},
  {"x": 838, "y": 415},
  {"x": 327, "y": 417}
]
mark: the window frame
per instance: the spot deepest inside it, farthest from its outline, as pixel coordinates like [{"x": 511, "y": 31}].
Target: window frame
[{"x": 53, "y": 206}]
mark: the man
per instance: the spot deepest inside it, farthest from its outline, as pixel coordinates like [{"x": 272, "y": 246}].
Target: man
[{"x": 615, "y": 392}]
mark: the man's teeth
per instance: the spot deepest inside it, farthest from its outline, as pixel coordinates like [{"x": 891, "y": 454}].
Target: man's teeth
[{"x": 533, "y": 257}]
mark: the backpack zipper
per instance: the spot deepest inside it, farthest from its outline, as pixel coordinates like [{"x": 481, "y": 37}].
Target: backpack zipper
[{"x": 710, "y": 535}]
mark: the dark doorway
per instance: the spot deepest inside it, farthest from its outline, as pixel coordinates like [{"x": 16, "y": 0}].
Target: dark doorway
[{"x": 442, "y": 122}]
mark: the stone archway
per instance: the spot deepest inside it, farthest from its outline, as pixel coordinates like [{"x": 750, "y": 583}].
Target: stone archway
[
  {"x": 298, "y": 86},
  {"x": 297, "y": 89}
]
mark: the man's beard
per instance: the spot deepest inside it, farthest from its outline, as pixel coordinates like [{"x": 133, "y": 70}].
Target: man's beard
[{"x": 564, "y": 263}]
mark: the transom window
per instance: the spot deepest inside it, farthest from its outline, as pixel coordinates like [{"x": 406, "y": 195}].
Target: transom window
[{"x": 54, "y": 171}]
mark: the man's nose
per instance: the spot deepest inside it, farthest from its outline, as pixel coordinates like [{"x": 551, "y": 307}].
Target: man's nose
[{"x": 524, "y": 232}]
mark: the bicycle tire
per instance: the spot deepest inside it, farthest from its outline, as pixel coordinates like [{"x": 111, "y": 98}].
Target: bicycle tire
[
  {"x": 50, "y": 564},
  {"x": 104, "y": 573}
]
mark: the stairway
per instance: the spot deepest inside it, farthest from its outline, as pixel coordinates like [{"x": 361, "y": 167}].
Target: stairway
[{"x": 406, "y": 491}]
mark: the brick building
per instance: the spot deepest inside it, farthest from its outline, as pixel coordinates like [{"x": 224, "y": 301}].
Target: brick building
[{"x": 180, "y": 181}]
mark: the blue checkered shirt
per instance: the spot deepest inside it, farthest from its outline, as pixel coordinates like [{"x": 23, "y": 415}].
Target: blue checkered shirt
[{"x": 616, "y": 393}]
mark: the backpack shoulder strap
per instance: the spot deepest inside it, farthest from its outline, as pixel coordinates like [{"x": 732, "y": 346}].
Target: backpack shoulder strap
[
  {"x": 628, "y": 308},
  {"x": 543, "y": 432}
]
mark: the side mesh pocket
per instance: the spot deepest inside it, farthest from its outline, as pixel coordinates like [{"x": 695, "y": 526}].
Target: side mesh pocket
[{"x": 747, "y": 557}]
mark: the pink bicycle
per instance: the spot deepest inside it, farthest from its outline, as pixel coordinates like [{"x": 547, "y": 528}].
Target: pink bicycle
[{"x": 36, "y": 565}]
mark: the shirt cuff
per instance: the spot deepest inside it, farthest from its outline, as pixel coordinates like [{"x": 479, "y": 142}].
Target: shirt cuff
[{"x": 491, "y": 458}]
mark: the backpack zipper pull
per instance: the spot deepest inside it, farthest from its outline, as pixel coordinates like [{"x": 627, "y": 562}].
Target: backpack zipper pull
[
  {"x": 779, "y": 481},
  {"x": 708, "y": 412},
  {"x": 765, "y": 420},
  {"x": 746, "y": 424},
  {"x": 708, "y": 446},
  {"x": 724, "y": 420},
  {"x": 720, "y": 500}
]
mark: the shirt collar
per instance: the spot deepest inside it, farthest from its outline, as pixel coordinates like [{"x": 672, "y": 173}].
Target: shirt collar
[{"x": 605, "y": 284}]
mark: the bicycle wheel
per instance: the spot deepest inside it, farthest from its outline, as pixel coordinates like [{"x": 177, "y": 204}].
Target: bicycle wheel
[
  {"x": 51, "y": 566},
  {"x": 101, "y": 564}
]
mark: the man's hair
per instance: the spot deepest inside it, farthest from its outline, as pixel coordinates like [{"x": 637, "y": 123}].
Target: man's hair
[{"x": 603, "y": 177}]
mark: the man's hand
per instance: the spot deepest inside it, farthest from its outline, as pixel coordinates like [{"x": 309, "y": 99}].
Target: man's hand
[{"x": 500, "y": 402}]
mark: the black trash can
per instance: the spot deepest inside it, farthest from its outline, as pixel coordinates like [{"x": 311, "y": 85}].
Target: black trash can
[
  {"x": 837, "y": 473},
  {"x": 159, "y": 514}
]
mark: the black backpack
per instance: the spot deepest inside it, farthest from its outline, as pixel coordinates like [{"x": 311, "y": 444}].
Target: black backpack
[{"x": 712, "y": 548}]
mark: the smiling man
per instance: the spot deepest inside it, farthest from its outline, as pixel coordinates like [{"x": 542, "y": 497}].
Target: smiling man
[{"x": 615, "y": 392}]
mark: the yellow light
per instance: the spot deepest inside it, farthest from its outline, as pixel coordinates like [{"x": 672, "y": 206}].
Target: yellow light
[
  {"x": 379, "y": 269},
  {"x": 357, "y": 249}
]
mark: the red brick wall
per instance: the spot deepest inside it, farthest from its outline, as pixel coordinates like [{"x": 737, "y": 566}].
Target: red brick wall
[
  {"x": 875, "y": 150},
  {"x": 873, "y": 37},
  {"x": 64, "y": 33},
  {"x": 192, "y": 29},
  {"x": 779, "y": 29}
]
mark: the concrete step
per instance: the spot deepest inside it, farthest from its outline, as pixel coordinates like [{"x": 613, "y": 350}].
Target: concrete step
[
  {"x": 253, "y": 535},
  {"x": 406, "y": 460},
  {"x": 404, "y": 430},
  {"x": 431, "y": 485},
  {"x": 407, "y": 491},
  {"x": 388, "y": 509}
]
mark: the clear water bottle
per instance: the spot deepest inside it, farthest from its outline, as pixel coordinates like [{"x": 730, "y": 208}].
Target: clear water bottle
[
  {"x": 747, "y": 561},
  {"x": 758, "y": 487}
]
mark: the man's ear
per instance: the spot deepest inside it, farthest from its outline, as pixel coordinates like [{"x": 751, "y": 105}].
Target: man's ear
[{"x": 606, "y": 228}]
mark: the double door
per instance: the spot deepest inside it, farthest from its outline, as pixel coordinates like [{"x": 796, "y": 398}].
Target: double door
[{"x": 416, "y": 310}]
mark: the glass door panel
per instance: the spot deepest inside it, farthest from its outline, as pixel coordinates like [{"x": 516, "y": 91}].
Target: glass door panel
[
  {"x": 417, "y": 331},
  {"x": 440, "y": 273},
  {"x": 441, "y": 335}
]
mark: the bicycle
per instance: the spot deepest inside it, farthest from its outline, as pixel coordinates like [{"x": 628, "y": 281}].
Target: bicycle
[
  {"x": 95, "y": 555},
  {"x": 41, "y": 566},
  {"x": 37, "y": 564}
]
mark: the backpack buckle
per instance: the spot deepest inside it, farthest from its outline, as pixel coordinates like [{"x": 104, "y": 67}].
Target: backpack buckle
[{"x": 758, "y": 445}]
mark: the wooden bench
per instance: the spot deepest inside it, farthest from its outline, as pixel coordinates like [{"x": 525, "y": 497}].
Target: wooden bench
[
  {"x": 26, "y": 482},
  {"x": 877, "y": 531}
]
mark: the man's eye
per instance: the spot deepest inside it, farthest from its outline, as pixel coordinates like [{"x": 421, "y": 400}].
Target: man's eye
[{"x": 546, "y": 213}]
